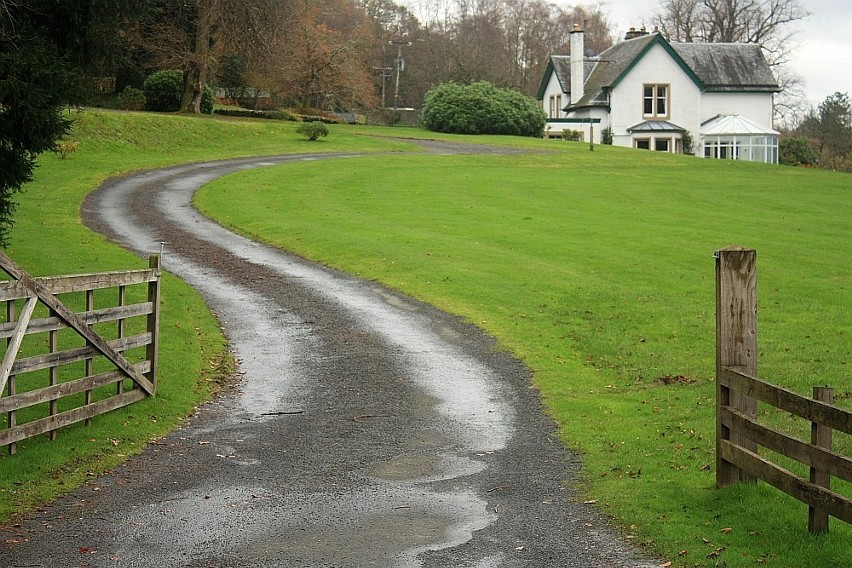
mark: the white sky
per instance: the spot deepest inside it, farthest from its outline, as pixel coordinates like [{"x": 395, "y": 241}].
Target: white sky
[{"x": 824, "y": 41}]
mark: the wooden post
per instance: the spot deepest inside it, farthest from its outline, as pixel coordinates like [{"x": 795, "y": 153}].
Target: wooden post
[
  {"x": 736, "y": 346},
  {"x": 820, "y": 436},
  {"x": 152, "y": 351}
]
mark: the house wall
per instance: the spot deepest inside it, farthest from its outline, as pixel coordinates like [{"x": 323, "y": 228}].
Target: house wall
[
  {"x": 656, "y": 67},
  {"x": 554, "y": 89},
  {"x": 756, "y": 107}
]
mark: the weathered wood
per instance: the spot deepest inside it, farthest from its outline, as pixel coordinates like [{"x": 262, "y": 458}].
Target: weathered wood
[
  {"x": 79, "y": 414},
  {"x": 57, "y": 391},
  {"x": 736, "y": 346},
  {"x": 820, "y": 437},
  {"x": 823, "y": 458},
  {"x": 789, "y": 401},
  {"x": 15, "y": 290},
  {"x": 73, "y": 320},
  {"x": 837, "y": 505},
  {"x": 47, "y": 360},
  {"x": 103, "y": 315},
  {"x": 142, "y": 374},
  {"x": 152, "y": 352},
  {"x": 15, "y": 342}
]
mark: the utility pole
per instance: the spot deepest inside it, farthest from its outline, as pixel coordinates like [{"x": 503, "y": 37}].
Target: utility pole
[
  {"x": 385, "y": 74},
  {"x": 399, "y": 63}
]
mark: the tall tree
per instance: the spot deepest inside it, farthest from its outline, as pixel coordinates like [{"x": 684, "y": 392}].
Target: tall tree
[
  {"x": 48, "y": 50},
  {"x": 767, "y": 23},
  {"x": 829, "y": 127}
]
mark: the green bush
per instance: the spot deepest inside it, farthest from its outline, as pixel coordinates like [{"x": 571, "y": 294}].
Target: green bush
[
  {"x": 207, "y": 100},
  {"x": 312, "y": 130},
  {"x": 164, "y": 90},
  {"x": 481, "y": 108},
  {"x": 131, "y": 98},
  {"x": 247, "y": 113},
  {"x": 797, "y": 152}
]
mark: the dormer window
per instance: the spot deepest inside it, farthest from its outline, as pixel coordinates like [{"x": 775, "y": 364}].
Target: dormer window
[{"x": 655, "y": 101}]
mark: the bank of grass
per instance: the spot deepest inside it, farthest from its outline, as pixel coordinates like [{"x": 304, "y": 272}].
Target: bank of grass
[
  {"x": 597, "y": 270},
  {"x": 49, "y": 238}
]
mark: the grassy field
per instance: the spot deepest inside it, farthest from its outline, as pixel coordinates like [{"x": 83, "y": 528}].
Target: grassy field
[
  {"x": 49, "y": 238},
  {"x": 597, "y": 270}
]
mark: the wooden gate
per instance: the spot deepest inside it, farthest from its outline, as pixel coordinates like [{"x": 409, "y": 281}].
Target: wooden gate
[{"x": 67, "y": 361}]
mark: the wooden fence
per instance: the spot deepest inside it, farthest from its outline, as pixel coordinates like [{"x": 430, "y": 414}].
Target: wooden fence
[
  {"x": 738, "y": 390},
  {"x": 62, "y": 365}
]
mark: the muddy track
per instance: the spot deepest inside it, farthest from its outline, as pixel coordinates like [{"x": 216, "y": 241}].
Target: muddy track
[{"x": 367, "y": 430}]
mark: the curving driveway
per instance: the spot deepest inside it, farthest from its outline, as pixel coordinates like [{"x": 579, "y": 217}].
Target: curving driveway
[{"x": 368, "y": 429}]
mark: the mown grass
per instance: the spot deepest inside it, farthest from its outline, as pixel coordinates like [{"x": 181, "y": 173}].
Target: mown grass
[
  {"x": 596, "y": 269},
  {"x": 49, "y": 238}
]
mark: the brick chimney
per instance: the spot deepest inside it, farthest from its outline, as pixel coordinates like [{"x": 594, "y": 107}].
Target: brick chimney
[
  {"x": 577, "y": 47},
  {"x": 633, "y": 33}
]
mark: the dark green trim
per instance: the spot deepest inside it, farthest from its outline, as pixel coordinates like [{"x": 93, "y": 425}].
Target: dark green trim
[
  {"x": 574, "y": 120},
  {"x": 660, "y": 40}
]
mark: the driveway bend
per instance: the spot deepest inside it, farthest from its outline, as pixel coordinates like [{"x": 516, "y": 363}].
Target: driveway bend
[{"x": 368, "y": 429}]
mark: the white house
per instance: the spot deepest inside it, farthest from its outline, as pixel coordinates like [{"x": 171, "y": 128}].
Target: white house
[{"x": 711, "y": 99}]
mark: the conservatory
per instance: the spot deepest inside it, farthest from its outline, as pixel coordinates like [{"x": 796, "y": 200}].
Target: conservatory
[{"x": 733, "y": 137}]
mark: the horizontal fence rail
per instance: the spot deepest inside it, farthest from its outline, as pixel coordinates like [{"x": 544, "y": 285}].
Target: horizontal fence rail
[
  {"x": 739, "y": 434},
  {"x": 62, "y": 365}
]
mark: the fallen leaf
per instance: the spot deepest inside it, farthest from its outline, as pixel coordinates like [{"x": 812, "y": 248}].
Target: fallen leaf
[
  {"x": 726, "y": 530},
  {"x": 665, "y": 565},
  {"x": 590, "y": 502},
  {"x": 682, "y": 553}
]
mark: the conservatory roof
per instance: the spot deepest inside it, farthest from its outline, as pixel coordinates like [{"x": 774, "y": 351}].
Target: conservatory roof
[{"x": 733, "y": 124}]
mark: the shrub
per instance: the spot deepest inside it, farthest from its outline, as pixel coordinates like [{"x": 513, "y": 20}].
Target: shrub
[
  {"x": 207, "y": 100},
  {"x": 481, "y": 108},
  {"x": 312, "y": 130},
  {"x": 66, "y": 147},
  {"x": 164, "y": 90},
  {"x": 246, "y": 113},
  {"x": 606, "y": 136},
  {"x": 130, "y": 98},
  {"x": 797, "y": 152}
]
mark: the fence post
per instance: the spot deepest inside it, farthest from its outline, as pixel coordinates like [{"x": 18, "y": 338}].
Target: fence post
[
  {"x": 736, "y": 346},
  {"x": 820, "y": 436},
  {"x": 152, "y": 352}
]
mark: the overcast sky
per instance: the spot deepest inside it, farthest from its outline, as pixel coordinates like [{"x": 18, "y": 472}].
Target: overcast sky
[{"x": 824, "y": 42}]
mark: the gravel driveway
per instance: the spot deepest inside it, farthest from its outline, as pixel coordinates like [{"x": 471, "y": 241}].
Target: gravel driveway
[{"x": 367, "y": 430}]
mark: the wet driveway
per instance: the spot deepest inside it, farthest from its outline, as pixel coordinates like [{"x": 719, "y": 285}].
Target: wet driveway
[{"x": 367, "y": 430}]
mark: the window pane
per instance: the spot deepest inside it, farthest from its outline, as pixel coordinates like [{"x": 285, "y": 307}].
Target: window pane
[
  {"x": 643, "y": 144},
  {"x": 661, "y": 100},
  {"x": 661, "y": 144}
]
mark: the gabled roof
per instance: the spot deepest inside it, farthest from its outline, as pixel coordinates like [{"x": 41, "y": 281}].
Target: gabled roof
[
  {"x": 561, "y": 66},
  {"x": 733, "y": 124},
  {"x": 711, "y": 66},
  {"x": 729, "y": 66}
]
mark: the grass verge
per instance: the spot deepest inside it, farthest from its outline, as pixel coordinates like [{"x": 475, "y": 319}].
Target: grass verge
[{"x": 596, "y": 269}]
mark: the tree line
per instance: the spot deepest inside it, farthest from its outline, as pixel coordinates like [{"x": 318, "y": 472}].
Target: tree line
[{"x": 323, "y": 54}]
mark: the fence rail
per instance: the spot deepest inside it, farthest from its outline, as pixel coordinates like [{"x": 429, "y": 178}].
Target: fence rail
[
  {"x": 739, "y": 434},
  {"x": 62, "y": 366}
]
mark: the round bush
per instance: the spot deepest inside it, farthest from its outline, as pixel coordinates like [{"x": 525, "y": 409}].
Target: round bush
[
  {"x": 131, "y": 98},
  {"x": 164, "y": 90},
  {"x": 481, "y": 108},
  {"x": 798, "y": 152}
]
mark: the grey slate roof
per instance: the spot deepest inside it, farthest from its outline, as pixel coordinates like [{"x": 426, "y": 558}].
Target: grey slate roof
[
  {"x": 713, "y": 67},
  {"x": 728, "y": 66},
  {"x": 561, "y": 65}
]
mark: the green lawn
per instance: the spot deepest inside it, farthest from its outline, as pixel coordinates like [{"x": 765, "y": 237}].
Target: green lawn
[{"x": 597, "y": 270}]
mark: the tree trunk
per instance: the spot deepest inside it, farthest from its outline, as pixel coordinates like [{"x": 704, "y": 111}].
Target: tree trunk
[{"x": 195, "y": 77}]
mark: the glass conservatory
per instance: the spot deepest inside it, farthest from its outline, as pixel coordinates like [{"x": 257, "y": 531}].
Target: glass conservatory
[{"x": 734, "y": 137}]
